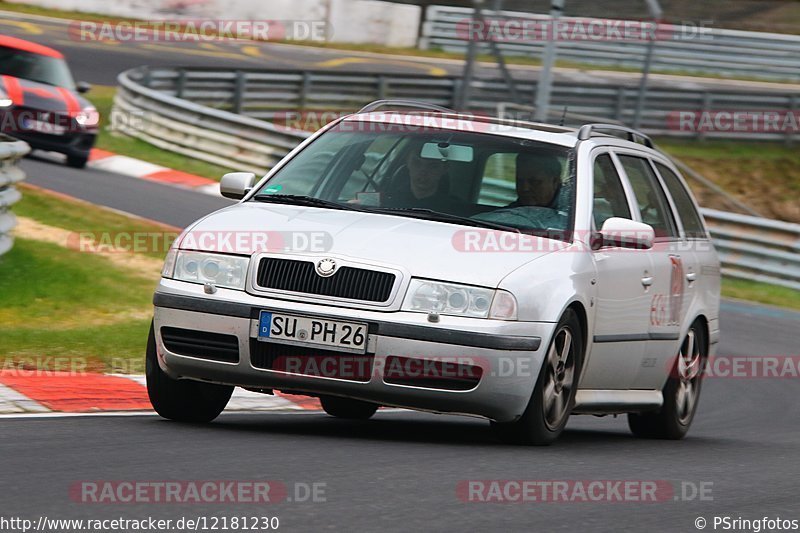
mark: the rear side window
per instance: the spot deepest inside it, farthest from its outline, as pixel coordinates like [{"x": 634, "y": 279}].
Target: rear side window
[
  {"x": 609, "y": 196},
  {"x": 692, "y": 223},
  {"x": 650, "y": 197}
]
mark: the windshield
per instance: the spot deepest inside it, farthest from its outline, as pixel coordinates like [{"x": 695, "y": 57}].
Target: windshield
[
  {"x": 35, "y": 67},
  {"x": 472, "y": 178}
]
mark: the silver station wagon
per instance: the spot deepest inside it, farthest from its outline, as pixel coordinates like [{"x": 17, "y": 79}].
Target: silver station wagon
[{"x": 430, "y": 260}]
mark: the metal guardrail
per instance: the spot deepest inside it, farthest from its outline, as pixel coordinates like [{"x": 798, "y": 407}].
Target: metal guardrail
[
  {"x": 265, "y": 94},
  {"x": 11, "y": 150},
  {"x": 195, "y": 130},
  {"x": 750, "y": 247},
  {"x": 756, "y": 249},
  {"x": 729, "y": 53}
]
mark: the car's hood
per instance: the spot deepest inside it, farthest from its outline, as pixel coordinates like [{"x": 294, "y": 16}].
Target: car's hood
[
  {"x": 41, "y": 96},
  {"x": 421, "y": 248}
]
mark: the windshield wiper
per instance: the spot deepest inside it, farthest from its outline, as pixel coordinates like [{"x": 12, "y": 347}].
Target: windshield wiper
[
  {"x": 297, "y": 199},
  {"x": 430, "y": 214}
]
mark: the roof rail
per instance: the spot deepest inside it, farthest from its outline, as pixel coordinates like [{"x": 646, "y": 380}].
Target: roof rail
[
  {"x": 587, "y": 130},
  {"x": 415, "y": 104}
]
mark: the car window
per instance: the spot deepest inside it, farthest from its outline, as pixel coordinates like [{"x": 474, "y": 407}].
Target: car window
[
  {"x": 499, "y": 178},
  {"x": 650, "y": 197},
  {"x": 36, "y": 67},
  {"x": 375, "y": 166},
  {"x": 609, "y": 195},
  {"x": 692, "y": 223}
]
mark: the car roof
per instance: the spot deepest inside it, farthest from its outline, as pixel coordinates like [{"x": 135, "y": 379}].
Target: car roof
[
  {"x": 28, "y": 46},
  {"x": 549, "y": 133}
]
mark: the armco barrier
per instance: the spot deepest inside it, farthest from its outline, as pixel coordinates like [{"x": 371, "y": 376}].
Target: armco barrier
[
  {"x": 756, "y": 249},
  {"x": 166, "y": 107},
  {"x": 167, "y": 96},
  {"x": 11, "y": 151},
  {"x": 198, "y": 131},
  {"x": 720, "y": 52}
]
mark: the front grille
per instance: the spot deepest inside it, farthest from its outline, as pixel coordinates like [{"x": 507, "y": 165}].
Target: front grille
[
  {"x": 347, "y": 282},
  {"x": 431, "y": 374},
  {"x": 201, "y": 344},
  {"x": 311, "y": 361}
]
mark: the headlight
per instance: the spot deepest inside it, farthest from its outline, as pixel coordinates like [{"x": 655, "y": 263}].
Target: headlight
[
  {"x": 426, "y": 296},
  {"x": 199, "y": 267},
  {"x": 88, "y": 117},
  {"x": 5, "y": 101},
  {"x": 169, "y": 262}
]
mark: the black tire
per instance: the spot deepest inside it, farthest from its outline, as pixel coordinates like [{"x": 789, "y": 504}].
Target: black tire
[
  {"x": 77, "y": 161},
  {"x": 675, "y": 417},
  {"x": 539, "y": 426},
  {"x": 182, "y": 400},
  {"x": 348, "y": 408}
]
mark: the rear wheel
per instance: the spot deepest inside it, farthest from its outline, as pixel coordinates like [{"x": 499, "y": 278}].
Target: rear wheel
[
  {"x": 348, "y": 408},
  {"x": 77, "y": 161},
  {"x": 554, "y": 396},
  {"x": 182, "y": 400},
  {"x": 681, "y": 393}
]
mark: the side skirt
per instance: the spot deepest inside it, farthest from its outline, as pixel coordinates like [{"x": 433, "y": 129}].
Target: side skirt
[{"x": 600, "y": 402}]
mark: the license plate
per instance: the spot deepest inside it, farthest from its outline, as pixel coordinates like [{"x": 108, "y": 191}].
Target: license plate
[
  {"x": 308, "y": 331},
  {"x": 44, "y": 127}
]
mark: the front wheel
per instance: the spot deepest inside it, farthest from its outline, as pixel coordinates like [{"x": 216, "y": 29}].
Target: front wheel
[
  {"x": 554, "y": 395},
  {"x": 681, "y": 393},
  {"x": 182, "y": 400},
  {"x": 77, "y": 161},
  {"x": 348, "y": 408}
]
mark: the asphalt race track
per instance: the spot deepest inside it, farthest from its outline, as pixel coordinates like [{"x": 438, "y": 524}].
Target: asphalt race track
[
  {"x": 100, "y": 62},
  {"x": 400, "y": 471},
  {"x": 163, "y": 203}
]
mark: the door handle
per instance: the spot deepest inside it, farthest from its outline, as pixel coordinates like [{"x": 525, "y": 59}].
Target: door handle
[
  {"x": 647, "y": 281},
  {"x": 691, "y": 276}
]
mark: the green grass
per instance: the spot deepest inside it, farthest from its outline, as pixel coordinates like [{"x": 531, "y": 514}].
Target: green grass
[
  {"x": 102, "y": 97},
  {"x": 761, "y": 293},
  {"x": 56, "y": 302},
  {"x": 717, "y": 150},
  {"x": 764, "y": 176},
  {"x": 116, "y": 348},
  {"x": 79, "y": 216}
]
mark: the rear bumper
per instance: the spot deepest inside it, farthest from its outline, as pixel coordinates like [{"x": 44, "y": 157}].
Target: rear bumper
[{"x": 509, "y": 354}]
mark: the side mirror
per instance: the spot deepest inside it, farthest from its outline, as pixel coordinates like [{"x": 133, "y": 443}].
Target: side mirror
[
  {"x": 235, "y": 185},
  {"x": 626, "y": 233},
  {"x": 83, "y": 87}
]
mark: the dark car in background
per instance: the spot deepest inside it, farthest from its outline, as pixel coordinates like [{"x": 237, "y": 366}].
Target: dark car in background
[{"x": 40, "y": 102}]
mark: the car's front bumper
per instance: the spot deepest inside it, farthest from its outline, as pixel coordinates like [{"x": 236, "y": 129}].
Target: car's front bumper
[
  {"x": 510, "y": 353},
  {"x": 76, "y": 142}
]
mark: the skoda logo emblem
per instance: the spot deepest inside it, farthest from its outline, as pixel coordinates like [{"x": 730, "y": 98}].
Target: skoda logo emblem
[{"x": 326, "y": 267}]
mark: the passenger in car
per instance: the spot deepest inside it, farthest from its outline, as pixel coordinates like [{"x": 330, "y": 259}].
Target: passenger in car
[{"x": 538, "y": 185}]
